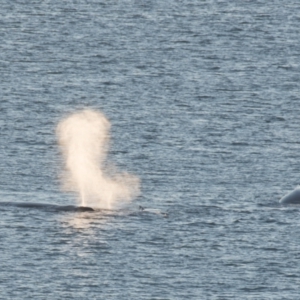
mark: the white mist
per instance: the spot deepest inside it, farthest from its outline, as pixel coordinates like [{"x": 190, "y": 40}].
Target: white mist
[{"x": 84, "y": 140}]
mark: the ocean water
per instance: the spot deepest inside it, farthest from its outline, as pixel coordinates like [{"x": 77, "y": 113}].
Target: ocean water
[{"x": 203, "y": 100}]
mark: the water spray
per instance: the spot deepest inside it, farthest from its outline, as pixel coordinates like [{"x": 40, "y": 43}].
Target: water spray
[{"x": 84, "y": 139}]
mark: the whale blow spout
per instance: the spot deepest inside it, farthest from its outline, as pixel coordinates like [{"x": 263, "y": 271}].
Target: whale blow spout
[
  {"x": 292, "y": 197},
  {"x": 83, "y": 138}
]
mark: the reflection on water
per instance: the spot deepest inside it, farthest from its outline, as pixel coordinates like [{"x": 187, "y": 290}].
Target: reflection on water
[{"x": 84, "y": 220}]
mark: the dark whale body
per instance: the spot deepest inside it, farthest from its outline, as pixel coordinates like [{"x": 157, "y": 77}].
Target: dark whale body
[
  {"x": 48, "y": 207},
  {"x": 292, "y": 197}
]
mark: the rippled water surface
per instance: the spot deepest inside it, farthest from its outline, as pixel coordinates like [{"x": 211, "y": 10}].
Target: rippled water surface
[{"x": 203, "y": 98}]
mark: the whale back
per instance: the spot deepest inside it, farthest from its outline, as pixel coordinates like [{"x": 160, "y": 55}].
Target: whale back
[{"x": 292, "y": 197}]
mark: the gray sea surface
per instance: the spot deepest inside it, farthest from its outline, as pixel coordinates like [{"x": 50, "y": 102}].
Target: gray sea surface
[{"x": 203, "y": 98}]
